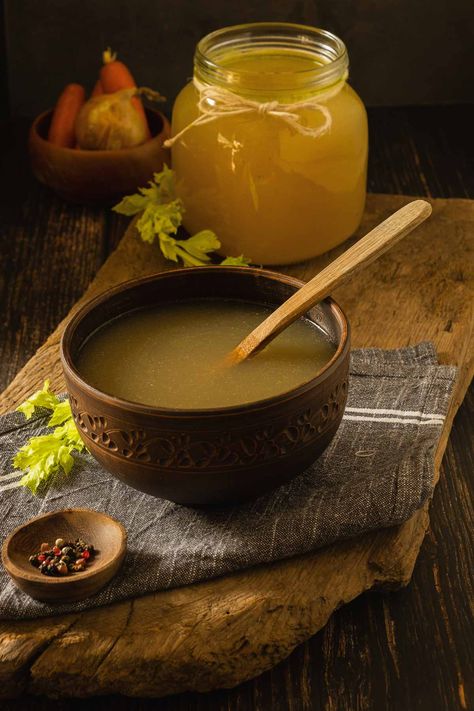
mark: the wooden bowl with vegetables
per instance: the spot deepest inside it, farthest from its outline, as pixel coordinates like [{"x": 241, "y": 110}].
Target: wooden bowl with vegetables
[
  {"x": 97, "y": 177},
  {"x": 100, "y": 149}
]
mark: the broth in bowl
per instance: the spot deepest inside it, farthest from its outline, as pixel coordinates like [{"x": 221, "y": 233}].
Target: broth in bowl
[{"x": 173, "y": 356}]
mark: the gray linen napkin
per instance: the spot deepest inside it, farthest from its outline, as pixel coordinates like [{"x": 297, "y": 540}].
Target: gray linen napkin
[{"x": 376, "y": 472}]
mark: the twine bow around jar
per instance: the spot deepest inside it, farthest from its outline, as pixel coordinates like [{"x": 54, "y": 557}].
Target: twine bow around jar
[{"x": 217, "y": 102}]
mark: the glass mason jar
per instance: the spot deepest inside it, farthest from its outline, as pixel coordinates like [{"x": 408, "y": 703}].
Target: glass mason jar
[{"x": 269, "y": 142}]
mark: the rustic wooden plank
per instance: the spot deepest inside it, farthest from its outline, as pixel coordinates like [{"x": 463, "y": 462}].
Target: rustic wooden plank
[
  {"x": 260, "y": 615},
  {"x": 201, "y": 637}
]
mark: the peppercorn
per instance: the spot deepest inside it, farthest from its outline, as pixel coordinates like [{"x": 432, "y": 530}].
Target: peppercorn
[{"x": 62, "y": 558}]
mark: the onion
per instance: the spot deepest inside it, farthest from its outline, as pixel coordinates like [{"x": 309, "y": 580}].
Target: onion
[{"x": 111, "y": 121}]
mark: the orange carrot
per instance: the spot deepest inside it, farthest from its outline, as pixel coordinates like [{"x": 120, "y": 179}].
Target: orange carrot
[
  {"x": 61, "y": 130},
  {"x": 115, "y": 76},
  {"x": 97, "y": 90}
]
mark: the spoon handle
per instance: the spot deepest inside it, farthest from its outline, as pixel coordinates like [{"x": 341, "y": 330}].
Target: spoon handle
[{"x": 363, "y": 252}]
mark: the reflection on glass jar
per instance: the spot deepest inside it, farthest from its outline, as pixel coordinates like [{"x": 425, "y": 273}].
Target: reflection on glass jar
[{"x": 270, "y": 142}]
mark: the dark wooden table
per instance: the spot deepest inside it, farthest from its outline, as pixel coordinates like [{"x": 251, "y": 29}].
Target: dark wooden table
[{"x": 400, "y": 651}]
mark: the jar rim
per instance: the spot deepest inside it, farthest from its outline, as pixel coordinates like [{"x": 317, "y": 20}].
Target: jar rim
[{"x": 312, "y": 40}]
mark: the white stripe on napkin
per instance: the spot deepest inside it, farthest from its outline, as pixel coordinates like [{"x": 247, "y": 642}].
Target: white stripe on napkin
[
  {"x": 398, "y": 420},
  {"x": 3, "y": 477},
  {"x": 12, "y": 485},
  {"x": 401, "y": 413}
]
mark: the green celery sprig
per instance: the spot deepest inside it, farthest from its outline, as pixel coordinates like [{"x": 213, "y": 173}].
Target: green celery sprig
[
  {"x": 42, "y": 457},
  {"x": 162, "y": 215}
]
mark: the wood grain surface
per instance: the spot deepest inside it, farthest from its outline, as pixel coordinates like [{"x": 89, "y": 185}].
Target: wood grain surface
[{"x": 366, "y": 656}]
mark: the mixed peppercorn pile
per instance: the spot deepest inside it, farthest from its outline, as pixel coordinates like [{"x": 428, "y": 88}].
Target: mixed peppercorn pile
[{"x": 62, "y": 558}]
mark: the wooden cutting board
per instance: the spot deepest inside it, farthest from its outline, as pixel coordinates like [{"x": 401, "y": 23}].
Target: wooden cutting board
[{"x": 221, "y": 632}]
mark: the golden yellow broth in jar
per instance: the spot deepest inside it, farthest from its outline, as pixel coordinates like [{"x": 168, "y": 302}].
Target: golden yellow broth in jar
[{"x": 268, "y": 191}]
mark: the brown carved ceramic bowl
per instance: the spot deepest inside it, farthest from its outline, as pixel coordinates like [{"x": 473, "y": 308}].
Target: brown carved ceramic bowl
[
  {"x": 97, "y": 177},
  {"x": 224, "y": 455}
]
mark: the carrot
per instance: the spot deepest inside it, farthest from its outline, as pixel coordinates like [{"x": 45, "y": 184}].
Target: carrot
[
  {"x": 61, "y": 131},
  {"x": 97, "y": 90},
  {"x": 115, "y": 76}
]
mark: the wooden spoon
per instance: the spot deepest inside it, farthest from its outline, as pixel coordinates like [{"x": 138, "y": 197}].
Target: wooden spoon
[{"x": 363, "y": 252}]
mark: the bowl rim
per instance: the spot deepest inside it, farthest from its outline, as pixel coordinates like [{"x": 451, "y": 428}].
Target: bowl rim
[
  {"x": 149, "y": 410},
  {"x": 16, "y": 572},
  {"x": 161, "y": 136}
]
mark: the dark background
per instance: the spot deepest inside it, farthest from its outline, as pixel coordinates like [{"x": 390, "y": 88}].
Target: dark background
[
  {"x": 402, "y": 52},
  {"x": 409, "y": 650}
]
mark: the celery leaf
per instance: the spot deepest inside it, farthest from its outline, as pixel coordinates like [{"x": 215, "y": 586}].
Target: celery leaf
[
  {"x": 131, "y": 205},
  {"x": 162, "y": 215},
  {"x": 43, "y": 456},
  {"x": 41, "y": 398},
  {"x": 200, "y": 245},
  {"x": 236, "y": 261},
  {"x": 61, "y": 413}
]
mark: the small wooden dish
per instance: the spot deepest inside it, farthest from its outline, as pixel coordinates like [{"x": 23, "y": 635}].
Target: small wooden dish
[
  {"x": 97, "y": 177},
  {"x": 107, "y": 535}
]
